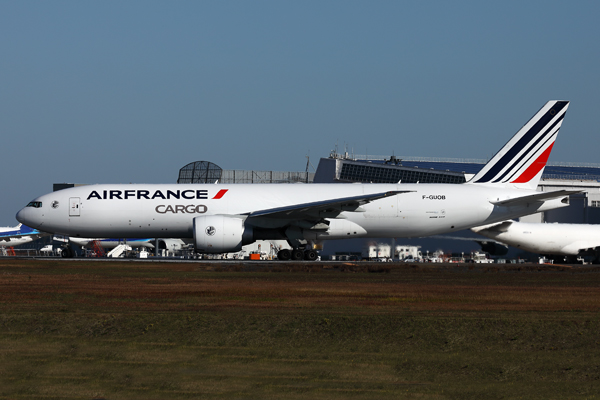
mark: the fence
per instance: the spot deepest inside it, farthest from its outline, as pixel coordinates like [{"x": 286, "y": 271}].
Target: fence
[{"x": 242, "y": 176}]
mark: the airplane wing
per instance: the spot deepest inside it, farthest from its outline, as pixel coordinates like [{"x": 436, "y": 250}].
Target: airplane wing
[
  {"x": 498, "y": 226},
  {"x": 589, "y": 251},
  {"x": 322, "y": 209},
  {"x": 542, "y": 196},
  {"x": 491, "y": 246},
  {"x": 468, "y": 239},
  {"x": 32, "y": 236},
  {"x": 20, "y": 231}
]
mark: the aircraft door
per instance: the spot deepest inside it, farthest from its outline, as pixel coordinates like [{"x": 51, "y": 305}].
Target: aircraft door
[{"x": 75, "y": 207}]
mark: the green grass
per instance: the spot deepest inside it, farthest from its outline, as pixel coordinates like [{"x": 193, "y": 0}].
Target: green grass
[{"x": 70, "y": 331}]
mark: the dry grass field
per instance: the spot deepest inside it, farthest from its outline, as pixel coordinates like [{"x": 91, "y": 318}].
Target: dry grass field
[{"x": 82, "y": 329}]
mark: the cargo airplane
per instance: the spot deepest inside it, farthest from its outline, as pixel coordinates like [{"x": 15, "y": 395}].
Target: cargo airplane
[
  {"x": 567, "y": 240},
  {"x": 220, "y": 218}
]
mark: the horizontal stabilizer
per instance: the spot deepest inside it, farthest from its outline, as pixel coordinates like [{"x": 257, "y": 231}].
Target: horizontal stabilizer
[{"x": 541, "y": 196}]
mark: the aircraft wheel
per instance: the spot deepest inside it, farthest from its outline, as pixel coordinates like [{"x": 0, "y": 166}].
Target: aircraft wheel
[
  {"x": 67, "y": 252},
  {"x": 297, "y": 255},
  {"x": 284, "y": 255},
  {"x": 310, "y": 255}
]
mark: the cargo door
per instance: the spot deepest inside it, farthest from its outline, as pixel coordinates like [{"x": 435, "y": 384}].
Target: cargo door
[{"x": 75, "y": 207}]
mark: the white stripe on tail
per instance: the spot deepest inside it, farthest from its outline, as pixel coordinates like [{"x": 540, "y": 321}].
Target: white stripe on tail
[{"x": 520, "y": 163}]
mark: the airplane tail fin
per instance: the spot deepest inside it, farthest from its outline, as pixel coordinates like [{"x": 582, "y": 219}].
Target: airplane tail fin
[
  {"x": 520, "y": 163},
  {"x": 26, "y": 229}
]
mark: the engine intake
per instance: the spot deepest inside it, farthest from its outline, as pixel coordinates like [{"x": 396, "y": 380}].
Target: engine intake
[
  {"x": 220, "y": 234},
  {"x": 170, "y": 244}
]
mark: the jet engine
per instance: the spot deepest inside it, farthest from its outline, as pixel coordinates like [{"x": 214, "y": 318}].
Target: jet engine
[
  {"x": 170, "y": 244},
  {"x": 220, "y": 234}
]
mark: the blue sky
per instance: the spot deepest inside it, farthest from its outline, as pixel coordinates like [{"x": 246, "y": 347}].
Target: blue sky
[{"x": 130, "y": 91}]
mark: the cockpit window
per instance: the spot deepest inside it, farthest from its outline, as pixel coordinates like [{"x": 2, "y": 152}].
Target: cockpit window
[{"x": 35, "y": 204}]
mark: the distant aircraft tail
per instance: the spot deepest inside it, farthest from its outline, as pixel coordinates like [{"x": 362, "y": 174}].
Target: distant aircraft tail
[
  {"x": 24, "y": 229},
  {"x": 520, "y": 163}
]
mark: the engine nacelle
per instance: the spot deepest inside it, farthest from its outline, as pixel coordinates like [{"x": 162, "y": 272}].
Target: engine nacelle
[
  {"x": 220, "y": 234},
  {"x": 170, "y": 244}
]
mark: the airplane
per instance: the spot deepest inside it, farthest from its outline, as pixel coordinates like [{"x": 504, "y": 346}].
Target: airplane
[
  {"x": 492, "y": 247},
  {"x": 220, "y": 218},
  {"x": 108, "y": 243},
  {"x": 17, "y": 235},
  {"x": 570, "y": 240}
]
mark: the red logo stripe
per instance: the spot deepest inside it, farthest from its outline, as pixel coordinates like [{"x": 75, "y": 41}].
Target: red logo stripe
[
  {"x": 220, "y": 194},
  {"x": 535, "y": 167}
]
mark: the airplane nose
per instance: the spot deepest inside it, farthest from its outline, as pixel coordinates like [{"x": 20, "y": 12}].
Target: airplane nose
[
  {"x": 21, "y": 216},
  {"x": 25, "y": 217}
]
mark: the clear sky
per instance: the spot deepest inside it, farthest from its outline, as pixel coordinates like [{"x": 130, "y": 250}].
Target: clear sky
[{"x": 130, "y": 91}]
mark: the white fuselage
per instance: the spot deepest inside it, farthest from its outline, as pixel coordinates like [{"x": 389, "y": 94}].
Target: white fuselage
[
  {"x": 111, "y": 243},
  {"x": 167, "y": 211},
  {"x": 559, "y": 239}
]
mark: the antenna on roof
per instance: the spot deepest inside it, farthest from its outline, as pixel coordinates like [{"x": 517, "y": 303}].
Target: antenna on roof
[{"x": 308, "y": 163}]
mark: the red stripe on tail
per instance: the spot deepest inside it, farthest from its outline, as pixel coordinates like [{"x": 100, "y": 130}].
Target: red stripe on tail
[{"x": 535, "y": 167}]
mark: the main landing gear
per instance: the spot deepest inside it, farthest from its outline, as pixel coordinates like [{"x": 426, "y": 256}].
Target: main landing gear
[
  {"x": 67, "y": 252},
  {"x": 296, "y": 255}
]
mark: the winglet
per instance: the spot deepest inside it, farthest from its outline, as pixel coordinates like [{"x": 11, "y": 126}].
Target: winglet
[{"x": 520, "y": 163}]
